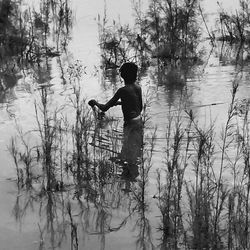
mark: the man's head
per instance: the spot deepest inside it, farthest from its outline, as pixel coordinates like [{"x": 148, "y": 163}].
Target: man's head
[{"x": 128, "y": 72}]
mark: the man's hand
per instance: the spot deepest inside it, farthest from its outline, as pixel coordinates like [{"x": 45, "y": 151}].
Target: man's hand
[{"x": 92, "y": 102}]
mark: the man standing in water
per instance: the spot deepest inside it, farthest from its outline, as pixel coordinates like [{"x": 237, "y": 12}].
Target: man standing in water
[{"x": 130, "y": 98}]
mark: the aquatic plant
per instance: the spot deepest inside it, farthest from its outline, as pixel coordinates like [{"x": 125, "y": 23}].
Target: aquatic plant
[
  {"x": 205, "y": 212},
  {"x": 238, "y": 197},
  {"x": 24, "y": 159},
  {"x": 168, "y": 31},
  {"x": 200, "y": 193},
  {"x": 169, "y": 195},
  {"x": 233, "y": 28},
  {"x": 81, "y": 129},
  {"x": 122, "y": 43},
  {"x": 173, "y": 29},
  {"x": 117, "y": 44},
  {"x": 216, "y": 207}
]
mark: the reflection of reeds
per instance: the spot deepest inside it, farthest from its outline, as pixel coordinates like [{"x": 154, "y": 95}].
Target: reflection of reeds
[
  {"x": 73, "y": 226},
  {"x": 24, "y": 159},
  {"x": 14, "y": 153}
]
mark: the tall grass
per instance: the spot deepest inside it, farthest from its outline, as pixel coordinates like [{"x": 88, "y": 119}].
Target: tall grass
[
  {"x": 81, "y": 128},
  {"x": 170, "y": 187},
  {"x": 208, "y": 211},
  {"x": 233, "y": 27},
  {"x": 200, "y": 193},
  {"x": 238, "y": 199},
  {"x": 205, "y": 212}
]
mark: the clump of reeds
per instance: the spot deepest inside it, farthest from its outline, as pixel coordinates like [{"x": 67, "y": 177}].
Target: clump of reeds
[
  {"x": 114, "y": 44},
  {"x": 19, "y": 172},
  {"x": 218, "y": 212},
  {"x": 178, "y": 138},
  {"x": 173, "y": 29},
  {"x": 47, "y": 121},
  {"x": 120, "y": 43},
  {"x": 200, "y": 193},
  {"x": 83, "y": 124},
  {"x": 238, "y": 197},
  {"x": 208, "y": 195},
  {"x": 25, "y": 157},
  {"x": 234, "y": 27}
]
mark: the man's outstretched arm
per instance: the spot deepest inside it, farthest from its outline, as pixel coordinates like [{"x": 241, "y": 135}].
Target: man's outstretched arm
[{"x": 104, "y": 107}]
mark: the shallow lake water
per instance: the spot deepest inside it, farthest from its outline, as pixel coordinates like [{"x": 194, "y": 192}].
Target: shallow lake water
[{"x": 115, "y": 221}]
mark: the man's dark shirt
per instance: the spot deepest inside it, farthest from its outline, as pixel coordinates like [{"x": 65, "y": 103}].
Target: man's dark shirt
[{"x": 131, "y": 101}]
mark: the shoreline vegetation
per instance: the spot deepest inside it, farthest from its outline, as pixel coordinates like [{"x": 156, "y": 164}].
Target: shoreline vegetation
[{"x": 68, "y": 165}]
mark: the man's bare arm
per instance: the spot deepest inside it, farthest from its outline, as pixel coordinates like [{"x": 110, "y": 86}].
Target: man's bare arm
[{"x": 104, "y": 107}]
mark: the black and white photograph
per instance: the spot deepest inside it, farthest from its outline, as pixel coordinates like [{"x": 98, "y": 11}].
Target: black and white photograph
[{"x": 124, "y": 124}]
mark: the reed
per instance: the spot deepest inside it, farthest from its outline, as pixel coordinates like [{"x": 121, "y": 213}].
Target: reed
[
  {"x": 233, "y": 26},
  {"x": 238, "y": 199},
  {"x": 14, "y": 153},
  {"x": 217, "y": 215},
  {"x": 23, "y": 154},
  {"x": 200, "y": 192},
  {"x": 173, "y": 29},
  {"x": 83, "y": 124},
  {"x": 170, "y": 186},
  {"x": 205, "y": 212},
  {"x": 47, "y": 128}
]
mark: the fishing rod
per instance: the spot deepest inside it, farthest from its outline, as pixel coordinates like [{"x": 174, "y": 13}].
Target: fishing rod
[{"x": 192, "y": 107}]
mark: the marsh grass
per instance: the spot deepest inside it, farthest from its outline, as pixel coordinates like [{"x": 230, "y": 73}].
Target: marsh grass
[
  {"x": 82, "y": 126},
  {"x": 218, "y": 208},
  {"x": 28, "y": 35},
  {"x": 170, "y": 188},
  {"x": 234, "y": 26},
  {"x": 69, "y": 165},
  {"x": 36, "y": 31},
  {"x": 73, "y": 156},
  {"x": 201, "y": 192},
  {"x": 14, "y": 153},
  {"x": 238, "y": 198},
  {"x": 25, "y": 159},
  {"x": 168, "y": 31},
  {"x": 172, "y": 29}
]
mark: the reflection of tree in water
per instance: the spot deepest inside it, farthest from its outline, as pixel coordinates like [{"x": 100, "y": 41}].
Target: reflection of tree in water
[
  {"x": 25, "y": 36},
  {"x": 64, "y": 220}
]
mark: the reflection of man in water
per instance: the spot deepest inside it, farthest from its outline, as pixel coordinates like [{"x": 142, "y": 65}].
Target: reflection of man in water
[
  {"x": 132, "y": 148},
  {"x": 130, "y": 98}
]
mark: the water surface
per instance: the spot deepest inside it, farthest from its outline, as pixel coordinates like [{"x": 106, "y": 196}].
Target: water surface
[{"x": 115, "y": 220}]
